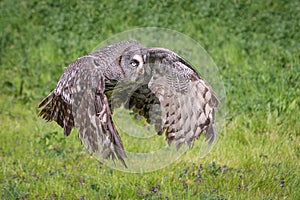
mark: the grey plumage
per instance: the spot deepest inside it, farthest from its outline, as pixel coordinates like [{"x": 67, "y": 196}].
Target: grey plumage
[{"x": 166, "y": 91}]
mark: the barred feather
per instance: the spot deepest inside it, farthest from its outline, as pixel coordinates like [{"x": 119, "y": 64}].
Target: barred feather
[
  {"x": 187, "y": 101},
  {"x": 54, "y": 108}
]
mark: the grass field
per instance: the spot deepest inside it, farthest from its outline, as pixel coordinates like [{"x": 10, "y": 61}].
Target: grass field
[{"x": 255, "y": 45}]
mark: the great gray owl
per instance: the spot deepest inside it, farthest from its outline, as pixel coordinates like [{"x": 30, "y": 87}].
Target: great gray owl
[{"x": 153, "y": 82}]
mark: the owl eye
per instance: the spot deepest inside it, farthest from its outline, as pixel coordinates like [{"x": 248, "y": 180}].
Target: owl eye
[{"x": 135, "y": 63}]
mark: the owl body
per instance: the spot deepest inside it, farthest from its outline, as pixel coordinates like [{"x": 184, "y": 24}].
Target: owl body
[{"x": 154, "y": 82}]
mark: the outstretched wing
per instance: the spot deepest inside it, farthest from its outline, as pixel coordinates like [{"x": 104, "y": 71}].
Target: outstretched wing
[
  {"x": 79, "y": 100},
  {"x": 187, "y": 102}
]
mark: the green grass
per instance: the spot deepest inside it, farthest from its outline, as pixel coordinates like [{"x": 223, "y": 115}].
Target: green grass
[{"x": 255, "y": 45}]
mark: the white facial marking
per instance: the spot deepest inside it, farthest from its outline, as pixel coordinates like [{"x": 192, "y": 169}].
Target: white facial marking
[{"x": 139, "y": 59}]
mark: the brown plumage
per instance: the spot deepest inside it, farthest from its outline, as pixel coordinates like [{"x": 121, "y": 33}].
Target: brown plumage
[{"x": 153, "y": 82}]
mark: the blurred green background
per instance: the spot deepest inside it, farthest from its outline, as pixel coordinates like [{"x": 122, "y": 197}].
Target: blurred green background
[{"x": 255, "y": 45}]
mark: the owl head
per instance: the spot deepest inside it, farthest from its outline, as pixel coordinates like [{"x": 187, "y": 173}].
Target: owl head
[{"x": 135, "y": 63}]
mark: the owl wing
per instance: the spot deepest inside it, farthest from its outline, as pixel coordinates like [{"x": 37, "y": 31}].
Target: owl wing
[
  {"x": 79, "y": 100},
  {"x": 187, "y": 102}
]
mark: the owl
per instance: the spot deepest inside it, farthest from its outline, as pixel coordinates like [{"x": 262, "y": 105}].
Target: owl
[{"x": 153, "y": 82}]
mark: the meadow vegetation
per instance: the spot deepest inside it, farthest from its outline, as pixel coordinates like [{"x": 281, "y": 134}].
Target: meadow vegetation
[{"x": 255, "y": 45}]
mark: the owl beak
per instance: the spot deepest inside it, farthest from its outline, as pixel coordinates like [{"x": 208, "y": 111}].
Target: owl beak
[{"x": 141, "y": 71}]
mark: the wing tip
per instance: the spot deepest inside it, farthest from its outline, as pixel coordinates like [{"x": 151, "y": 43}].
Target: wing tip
[
  {"x": 211, "y": 134},
  {"x": 46, "y": 100}
]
